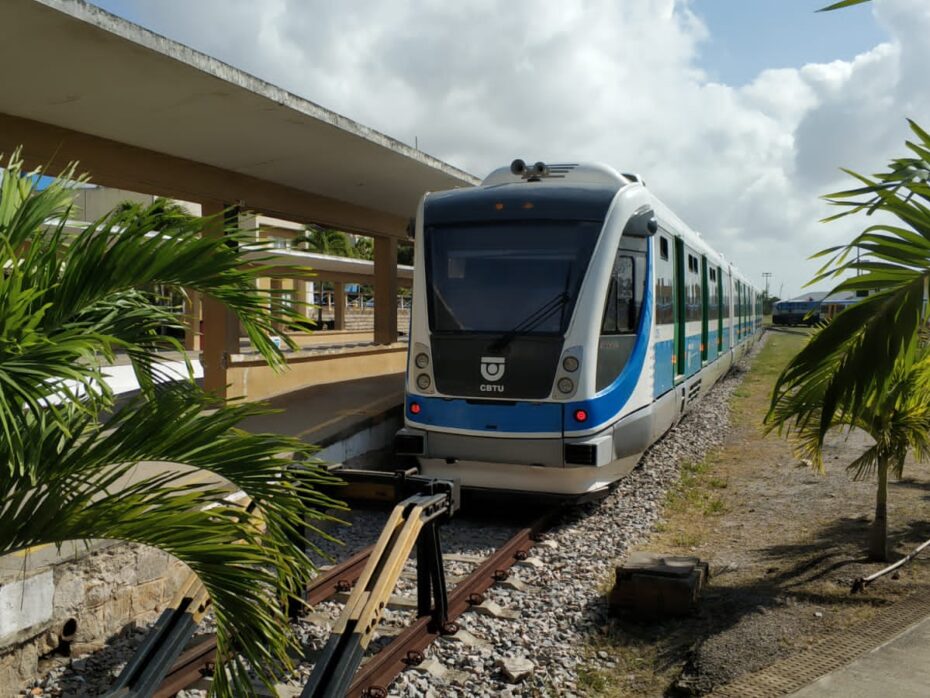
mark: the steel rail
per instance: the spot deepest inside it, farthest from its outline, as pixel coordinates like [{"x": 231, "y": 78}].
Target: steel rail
[
  {"x": 191, "y": 665},
  {"x": 406, "y": 649},
  {"x": 194, "y": 662},
  {"x": 338, "y": 578}
]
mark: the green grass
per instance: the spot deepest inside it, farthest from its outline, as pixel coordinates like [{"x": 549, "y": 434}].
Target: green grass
[
  {"x": 691, "y": 491},
  {"x": 592, "y": 680},
  {"x": 693, "y": 511}
]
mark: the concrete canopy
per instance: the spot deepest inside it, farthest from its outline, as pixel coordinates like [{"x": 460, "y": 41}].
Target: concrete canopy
[
  {"x": 327, "y": 267},
  {"x": 142, "y": 112}
]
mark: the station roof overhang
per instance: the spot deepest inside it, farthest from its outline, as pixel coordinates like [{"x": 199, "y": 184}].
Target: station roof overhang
[
  {"x": 144, "y": 113},
  {"x": 327, "y": 267}
]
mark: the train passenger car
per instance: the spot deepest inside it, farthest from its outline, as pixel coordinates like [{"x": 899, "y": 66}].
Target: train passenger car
[
  {"x": 796, "y": 312},
  {"x": 830, "y": 308},
  {"x": 563, "y": 320}
]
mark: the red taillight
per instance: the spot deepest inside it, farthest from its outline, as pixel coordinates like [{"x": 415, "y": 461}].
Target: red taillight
[
  {"x": 415, "y": 408},
  {"x": 581, "y": 415}
]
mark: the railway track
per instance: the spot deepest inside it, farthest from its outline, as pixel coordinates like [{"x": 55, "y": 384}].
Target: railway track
[
  {"x": 407, "y": 647},
  {"x": 197, "y": 660}
]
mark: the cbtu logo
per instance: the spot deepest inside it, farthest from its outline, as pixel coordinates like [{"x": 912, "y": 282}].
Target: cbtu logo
[{"x": 492, "y": 368}]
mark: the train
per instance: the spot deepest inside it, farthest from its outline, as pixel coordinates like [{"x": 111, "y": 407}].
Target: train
[
  {"x": 797, "y": 312},
  {"x": 563, "y": 320}
]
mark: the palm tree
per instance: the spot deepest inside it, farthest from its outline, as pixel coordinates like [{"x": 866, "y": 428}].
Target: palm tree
[
  {"x": 865, "y": 343},
  {"x": 868, "y": 367},
  {"x": 897, "y": 419},
  {"x": 69, "y": 302},
  {"x": 326, "y": 241},
  {"x": 363, "y": 248}
]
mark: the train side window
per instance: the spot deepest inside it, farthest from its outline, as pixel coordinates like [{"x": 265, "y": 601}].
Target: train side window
[
  {"x": 609, "y": 324},
  {"x": 665, "y": 281},
  {"x": 620, "y": 310}
]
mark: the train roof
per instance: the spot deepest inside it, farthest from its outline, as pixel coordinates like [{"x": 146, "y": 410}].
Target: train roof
[
  {"x": 560, "y": 191},
  {"x": 513, "y": 201},
  {"x": 577, "y": 174}
]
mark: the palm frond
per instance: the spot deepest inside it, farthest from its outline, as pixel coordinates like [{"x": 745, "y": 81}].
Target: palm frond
[
  {"x": 865, "y": 343},
  {"x": 842, "y": 4},
  {"x": 69, "y": 303}
]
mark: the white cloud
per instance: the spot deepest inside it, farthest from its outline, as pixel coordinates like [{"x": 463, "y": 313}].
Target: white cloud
[{"x": 480, "y": 83}]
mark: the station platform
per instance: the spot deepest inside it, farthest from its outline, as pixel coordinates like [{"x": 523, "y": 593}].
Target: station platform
[
  {"x": 344, "y": 419},
  {"x": 899, "y": 668}
]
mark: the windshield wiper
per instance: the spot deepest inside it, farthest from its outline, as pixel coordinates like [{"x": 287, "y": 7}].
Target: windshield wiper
[{"x": 532, "y": 321}]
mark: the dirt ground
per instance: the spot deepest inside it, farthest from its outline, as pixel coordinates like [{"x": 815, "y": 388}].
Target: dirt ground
[{"x": 784, "y": 544}]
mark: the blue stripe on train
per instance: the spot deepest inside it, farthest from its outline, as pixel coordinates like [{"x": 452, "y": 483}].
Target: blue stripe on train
[
  {"x": 711, "y": 344},
  {"x": 517, "y": 417},
  {"x": 543, "y": 417},
  {"x": 549, "y": 417},
  {"x": 664, "y": 368},
  {"x": 665, "y": 361},
  {"x": 692, "y": 354}
]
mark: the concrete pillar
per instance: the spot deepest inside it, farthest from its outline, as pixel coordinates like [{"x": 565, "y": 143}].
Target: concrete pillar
[
  {"x": 302, "y": 298},
  {"x": 339, "y": 309},
  {"x": 385, "y": 290},
  {"x": 248, "y": 223},
  {"x": 192, "y": 307},
  {"x": 220, "y": 327},
  {"x": 277, "y": 285}
]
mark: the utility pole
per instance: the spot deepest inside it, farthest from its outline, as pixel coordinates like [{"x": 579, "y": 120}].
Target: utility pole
[{"x": 766, "y": 275}]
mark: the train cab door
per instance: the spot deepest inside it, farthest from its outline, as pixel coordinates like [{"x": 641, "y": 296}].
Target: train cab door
[
  {"x": 720, "y": 303},
  {"x": 737, "y": 313},
  {"x": 680, "y": 308},
  {"x": 622, "y": 310},
  {"x": 705, "y": 308},
  {"x": 666, "y": 358}
]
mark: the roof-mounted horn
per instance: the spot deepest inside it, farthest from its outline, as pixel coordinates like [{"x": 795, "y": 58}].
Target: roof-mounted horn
[{"x": 531, "y": 173}]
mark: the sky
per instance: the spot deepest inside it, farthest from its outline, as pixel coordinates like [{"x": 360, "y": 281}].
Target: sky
[{"x": 738, "y": 113}]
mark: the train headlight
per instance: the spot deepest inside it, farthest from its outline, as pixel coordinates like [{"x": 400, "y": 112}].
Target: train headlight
[
  {"x": 423, "y": 382},
  {"x": 421, "y": 360},
  {"x": 581, "y": 415},
  {"x": 570, "y": 364},
  {"x": 415, "y": 408},
  {"x": 566, "y": 385}
]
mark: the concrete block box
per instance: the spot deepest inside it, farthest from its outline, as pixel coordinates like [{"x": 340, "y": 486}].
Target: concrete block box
[{"x": 654, "y": 586}]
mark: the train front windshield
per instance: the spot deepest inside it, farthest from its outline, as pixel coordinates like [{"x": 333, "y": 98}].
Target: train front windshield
[{"x": 505, "y": 276}]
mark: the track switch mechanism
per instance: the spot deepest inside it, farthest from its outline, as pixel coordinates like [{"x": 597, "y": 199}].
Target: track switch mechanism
[{"x": 413, "y": 522}]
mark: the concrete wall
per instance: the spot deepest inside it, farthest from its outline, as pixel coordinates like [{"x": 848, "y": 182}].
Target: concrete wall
[
  {"x": 252, "y": 377},
  {"x": 103, "y": 592}
]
